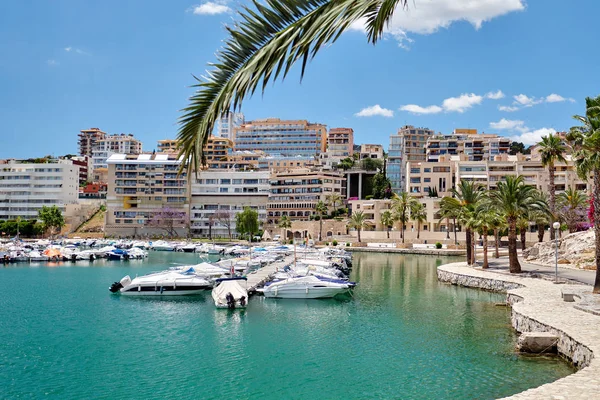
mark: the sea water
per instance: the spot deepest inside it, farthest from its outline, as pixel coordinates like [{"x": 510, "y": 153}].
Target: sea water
[{"x": 402, "y": 334}]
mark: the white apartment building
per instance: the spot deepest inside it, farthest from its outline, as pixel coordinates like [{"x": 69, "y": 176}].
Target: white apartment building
[
  {"x": 113, "y": 144},
  {"x": 228, "y": 122},
  {"x": 26, "y": 187},
  {"x": 217, "y": 196},
  {"x": 139, "y": 187},
  {"x": 408, "y": 144}
]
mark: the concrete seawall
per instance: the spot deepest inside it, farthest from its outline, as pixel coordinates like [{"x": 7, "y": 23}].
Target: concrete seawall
[
  {"x": 429, "y": 252},
  {"x": 537, "y": 306}
]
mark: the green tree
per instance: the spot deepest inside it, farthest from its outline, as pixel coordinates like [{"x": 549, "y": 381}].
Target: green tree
[
  {"x": 418, "y": 213},
  {"x": 321, "y": 210},
  {"x": 585, "y": 140},
  {"x": 371, "y": 164},
  {"x": 572, "y": 207},
  {"x": 387, "y": 220},
  {"x": 333, "y": 200},
  {"x": 487, "y": 218},
  {"x": 52, "y": 218},
  {"x": 358, "y": 221},
  {"x": 513, "y": 199},
  {"x": 285, "y": 224},
  {"x": 382, "y": 187},
  {"x": 402, "y": 204},
  {"x": 450, "y": 209},
  {"x": 346, "y": 163},
  {"x": 246, "y": 222},
  {"x": 551, "y": 152}
]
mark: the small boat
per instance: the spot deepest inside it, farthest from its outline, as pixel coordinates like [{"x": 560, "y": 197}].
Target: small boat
[
  {"x": 230, "y": 293},
  {"x": 117, "y": 254},
  {"x": 37, "y": 256},
  {"x": 161, "y": 245},
  {"x": 188, "y": 248},
  {"x": 306, "y": 287},
  {"x": 165, "y": 283}
]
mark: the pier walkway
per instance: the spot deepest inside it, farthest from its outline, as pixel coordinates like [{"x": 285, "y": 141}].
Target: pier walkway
[{"x": 262, "y": 275}]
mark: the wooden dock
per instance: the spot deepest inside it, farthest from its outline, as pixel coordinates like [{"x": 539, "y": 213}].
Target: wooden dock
[{"x": 264, "y": 274}]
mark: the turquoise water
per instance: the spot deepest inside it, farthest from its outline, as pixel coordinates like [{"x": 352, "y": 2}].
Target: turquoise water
[{"x": 402, "y": 335}]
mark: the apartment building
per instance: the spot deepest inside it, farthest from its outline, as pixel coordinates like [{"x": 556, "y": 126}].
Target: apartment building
[
  {"x": 340, "y": 142},
  {"x": 447, "y": 173},
  {"x": 218, "y": 196},
  {"x": 167, "y": 146},
  {"x": 295, "y": 193},
  {"x": 228, "y": 122},
  {"x": 26, "y": 187},
  {"x": 114, "y": 144},
  {"x": 288, "y": 138},
  {"x": 475, "y": 146},
  {"x": 374, "y": 151},
  {"x": 372, "y": 210},
  {"x": 408, "y": 144},
  {"x": 87, "y": 138},
  {"x": 140, "y": 186},
  {"x": 275, "y": 163}
]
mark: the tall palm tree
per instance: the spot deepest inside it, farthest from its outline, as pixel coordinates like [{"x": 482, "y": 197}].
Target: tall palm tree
[
  {"x": 523, "y": 225},
  {"x": 265, "y": 42},
  {"x": 541, "y": 217},
  {"x": 358, "y": 221},
  {"x": 551, "y": 151},
  {"x": 285, "y": 224},
  {"x": 466, "y": 196},
  {"x": 572, "y": 207},
  {"x": 321, "y": 210},
  {"x": 402, "y": 204},
  {"x": 418, "y": 213},
  {"x": 450, "y": 209},
  {"x": 387, "y": 220},
  {"x": 585, "y": 140},
  {"x": 514, "y": 198},
  {"x": 487, "y": 218}
]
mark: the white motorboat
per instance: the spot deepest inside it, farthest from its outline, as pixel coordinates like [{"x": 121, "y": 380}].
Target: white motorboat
[
  {"x": 161, "y": 245},
  {"x": 37, "y": 256},
  {"x": 230, "y": 293},
  {"x": 187, "y": 248},
  {"x": 306, "y": 287},
  {"x": 165, "y": 283}
]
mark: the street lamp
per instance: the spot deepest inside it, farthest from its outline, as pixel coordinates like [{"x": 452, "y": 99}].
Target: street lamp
[{"x": 556, "y": 226}]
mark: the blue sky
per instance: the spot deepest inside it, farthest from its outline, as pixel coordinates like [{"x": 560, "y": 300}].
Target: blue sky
[{"x": 126, "y": 66}]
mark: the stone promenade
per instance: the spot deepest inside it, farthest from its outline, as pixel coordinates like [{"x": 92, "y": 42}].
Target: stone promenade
[{"x": 537, "y": 306}]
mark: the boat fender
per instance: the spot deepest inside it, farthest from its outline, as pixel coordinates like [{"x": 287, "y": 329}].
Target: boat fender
[
  {"x": 307, "y": 290},
  {"x": 161, "y": 289}
]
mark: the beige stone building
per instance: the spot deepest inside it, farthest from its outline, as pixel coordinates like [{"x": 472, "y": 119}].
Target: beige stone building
[
  {"x": 407, "y": 145},
  {"x": 475, "y": 146},
  {"x": 295, "y": 193},
  {"x": 139, "y": 187},
  {"x": 87, "y": 138},
  {"x": 340, "y": 142},
  {"x": 374, "y": 151}
]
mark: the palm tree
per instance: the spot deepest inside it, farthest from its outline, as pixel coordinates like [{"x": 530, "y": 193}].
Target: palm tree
[
  {"x": 463, "y": 204},
  {"x": 332, "y": 200},
  {"x": 572, "y": 205},
  {"x": 387, "y": 220},
  {"x": 523, "y": 225},
  {"x": 551, "y": 151},
  {"x": 487, "y": 218},
  {"x": 540, "y": 217},
  {"x": 514, "y": 198},
  {"x": 450, "y": 208},
  {"x": 402, "y": 204},
  {"x": 285, "y": 224},
  {"x": 358, "y": 221},
  {"x": 264, "y": 43},
  {"x": 321, "y": 210},
  {"x": 586, "y": 144},
  {"x": 419, "y": 214}
]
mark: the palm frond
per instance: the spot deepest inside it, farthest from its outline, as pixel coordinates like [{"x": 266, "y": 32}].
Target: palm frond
[{"x": 269, "y": 38}]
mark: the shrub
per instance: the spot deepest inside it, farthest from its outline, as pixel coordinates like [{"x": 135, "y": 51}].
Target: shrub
[
  {"x": 438, "y": 245},
  {"x": 347, "y": 244},
  {"x": 335, "y": 242}
]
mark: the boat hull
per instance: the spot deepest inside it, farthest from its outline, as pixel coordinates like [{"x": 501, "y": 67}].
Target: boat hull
[
  {"x": 151, "y": 291},
  {"x": 304, "y": 293}
]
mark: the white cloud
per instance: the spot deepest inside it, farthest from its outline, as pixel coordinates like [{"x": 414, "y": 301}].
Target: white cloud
[
  {"x": 375, "y": 110},
  {"x": 427, "y": 17},
  {"x": 526, "y": 101},
  {"x": 462, "y": 103},
  {"x": 52, "y": 63},
  {"x": 508, "y": 108},
  {"x": 508, "y": 124},
  {"x": 533, "y": 137},
  {"x": 70, "y": 49},
  {"x": 556, "y": 98},
  {"x": 211, "y": 8},
  {"x": 415, "y": 109},
  {"x": 495, "y": 95}
]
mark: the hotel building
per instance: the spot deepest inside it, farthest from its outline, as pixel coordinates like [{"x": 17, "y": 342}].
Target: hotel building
[
  {"x": 114, "y": 144},
  {"x": 280, "y": 137},
  {"x": 140, "y": 185},
  {"x": 26, "y": 187},
  {"x": 228, "y": 122},
  {"x": 408, "y": 144},
  {"x": 218, "y": 196}
]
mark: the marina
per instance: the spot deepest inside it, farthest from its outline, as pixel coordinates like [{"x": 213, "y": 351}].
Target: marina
[{"x": 400, "y": 334}]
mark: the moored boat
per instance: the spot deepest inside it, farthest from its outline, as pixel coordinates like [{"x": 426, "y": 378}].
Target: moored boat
[
  {"x": 306, "y": 287},
  {"x": 230, "y": 293},
  {"x": 165, "y": 283}
]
